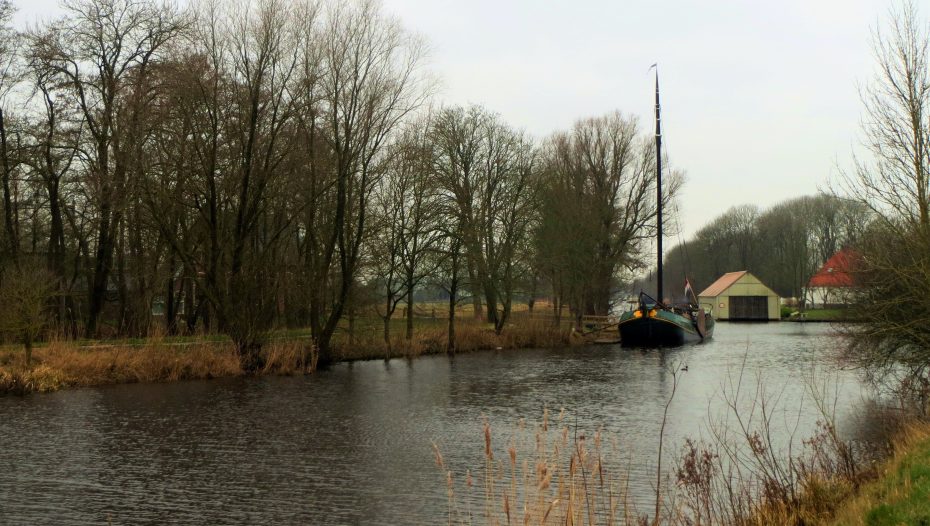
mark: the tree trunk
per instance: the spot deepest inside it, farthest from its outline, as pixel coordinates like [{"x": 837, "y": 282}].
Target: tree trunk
[
  {"x": 409, "y": 335},
  {"x": 352, "y": 327},
  {"x": 475, "y": 293},
  {"x": 450, "y": 342},
  {"x": 140, "y": 304},
  {"x": 387, "y": 335},
  {"x": 56, "y": 249},
  {"x": 250, "y": 357},
  {"x": 122, "y": 289},
  {"x": 8, "y": 223},
  {"x": 388, "y": 312},
  {"x": 27, "y": 342},
  {"x": 532, "y": 301},
  {"x": 556, "y": 309},
  {"x": 171, "y": 315},
  {"x": 501, "y": 319},
  {"x": 101, "y": 273},
  {"x": 191, "y": 306},
  {"x": 490, "y": 296},
  {"x": 204, "y": 308}
]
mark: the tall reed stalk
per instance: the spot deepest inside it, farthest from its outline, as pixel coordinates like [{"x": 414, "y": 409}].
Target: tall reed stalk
[{"x": 740, "y": 476}]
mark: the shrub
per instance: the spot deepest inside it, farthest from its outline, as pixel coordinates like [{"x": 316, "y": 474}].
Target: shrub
[{"x": 24, "y": 294}]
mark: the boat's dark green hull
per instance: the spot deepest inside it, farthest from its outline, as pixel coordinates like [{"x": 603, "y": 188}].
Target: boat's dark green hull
[{"x": 663, "y": 329}]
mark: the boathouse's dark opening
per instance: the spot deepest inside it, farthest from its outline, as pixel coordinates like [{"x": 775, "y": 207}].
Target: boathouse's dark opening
[{"x": 749, "y": 308}]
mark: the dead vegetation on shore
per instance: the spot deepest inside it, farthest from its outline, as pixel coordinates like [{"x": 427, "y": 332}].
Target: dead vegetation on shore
[
  {"x": 743, "y": 473},
  {"x": 469, "y": 336},
  {"x": 555, "y": 474},
  {"x": 63, "y": 364}
]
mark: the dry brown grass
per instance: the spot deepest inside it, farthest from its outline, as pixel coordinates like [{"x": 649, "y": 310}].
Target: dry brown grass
[
  {"x": 289, "y": 357},
  {"x": 561, "y": 476},
  {"x": 470, "y": 336},
  {"x": 743, "y": 474},
  {"x": 62, "y": 364},
  {"x": 65, "y": 364}
]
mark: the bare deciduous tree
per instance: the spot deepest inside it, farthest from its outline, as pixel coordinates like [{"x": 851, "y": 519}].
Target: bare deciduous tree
[
  {"x": 104, "y": 50},
  {"x": 599, "y": 210},
  {"x": 236, "y": 103},
  {"x": 237, "y": 167},
  {"x": 486, "y": 172},
  {"x": 369, "y": 81},
  {"x": 895, "y": 184},
  {"x": 9, "y": 44},
  {"x": 24, "y": 296},
  {"x": 897, "y": 105}
]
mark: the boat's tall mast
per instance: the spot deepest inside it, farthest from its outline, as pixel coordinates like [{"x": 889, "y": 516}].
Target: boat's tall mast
[{"x": 659, "y": 296}]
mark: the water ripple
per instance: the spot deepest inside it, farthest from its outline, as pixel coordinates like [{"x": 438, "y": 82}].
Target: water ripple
[{"x": 352, "y": 445}]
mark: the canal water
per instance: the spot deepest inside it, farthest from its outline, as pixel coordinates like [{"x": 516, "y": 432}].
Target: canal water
[{"x": 352, "y": 445}]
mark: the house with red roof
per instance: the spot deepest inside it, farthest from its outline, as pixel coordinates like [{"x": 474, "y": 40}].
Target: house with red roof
[{"x": 834, "y": 284}]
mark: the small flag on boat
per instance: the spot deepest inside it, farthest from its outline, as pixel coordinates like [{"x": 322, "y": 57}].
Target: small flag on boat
[{"x": 689, "y": 292}]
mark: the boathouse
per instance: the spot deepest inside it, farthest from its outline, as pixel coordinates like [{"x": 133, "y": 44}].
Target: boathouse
[{"x": 740, "y": 296}]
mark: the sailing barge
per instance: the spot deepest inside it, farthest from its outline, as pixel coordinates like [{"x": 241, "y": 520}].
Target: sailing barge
[{"x": 656, "y": 323}]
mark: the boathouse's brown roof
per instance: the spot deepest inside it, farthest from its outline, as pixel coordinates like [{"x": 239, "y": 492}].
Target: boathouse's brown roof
[{"x": 723, "y": 283}]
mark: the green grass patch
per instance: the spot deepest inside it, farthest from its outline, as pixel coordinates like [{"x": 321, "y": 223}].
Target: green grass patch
[
  {"x": 825, "y": 314},
  {"x": 907, "y": 490},
  {"x": 901, "y": 494}
]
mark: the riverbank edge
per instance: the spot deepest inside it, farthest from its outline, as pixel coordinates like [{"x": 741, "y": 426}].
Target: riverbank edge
[
  {"x": 900, "y": 491},
  {"x": 893, "y": 490},
  {"x": 66, "y": 364}
]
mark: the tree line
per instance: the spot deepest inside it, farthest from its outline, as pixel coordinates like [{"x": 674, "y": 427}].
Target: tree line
[
  {"x": 259, "y": 164},
  {"x": 783, "y": 245}
]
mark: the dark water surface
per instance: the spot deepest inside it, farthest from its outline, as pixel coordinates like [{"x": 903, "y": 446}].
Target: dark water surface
[{"x": 352, "y": 445}]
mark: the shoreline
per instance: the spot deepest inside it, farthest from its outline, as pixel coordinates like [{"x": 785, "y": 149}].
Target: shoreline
[
  {"x": 60, "y": 365},
  {"x": 899, "y": 490}
]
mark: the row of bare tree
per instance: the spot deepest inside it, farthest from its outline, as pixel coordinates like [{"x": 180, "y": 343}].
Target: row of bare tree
[
  {"x": 246, "y": 165},
  {"x": 783, "y": 245}
]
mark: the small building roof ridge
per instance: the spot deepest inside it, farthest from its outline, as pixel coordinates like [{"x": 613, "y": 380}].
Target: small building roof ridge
[{"x": 723, "y": 283}]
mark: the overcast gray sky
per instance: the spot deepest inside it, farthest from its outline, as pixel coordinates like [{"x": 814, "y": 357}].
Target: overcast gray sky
[{"x": 760, "y": 99}]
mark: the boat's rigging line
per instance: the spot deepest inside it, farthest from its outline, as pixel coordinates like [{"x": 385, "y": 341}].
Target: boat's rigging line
[
  {"x": 684, "y": 246},
  {"x": 677, "y": 217}
]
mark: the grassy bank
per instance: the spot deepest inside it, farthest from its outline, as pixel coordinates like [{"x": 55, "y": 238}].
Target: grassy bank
[
  {"x": 821, "y": 315},
  {"x": 901, "y": 492},
  {"x": 63, "y": 364}
]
